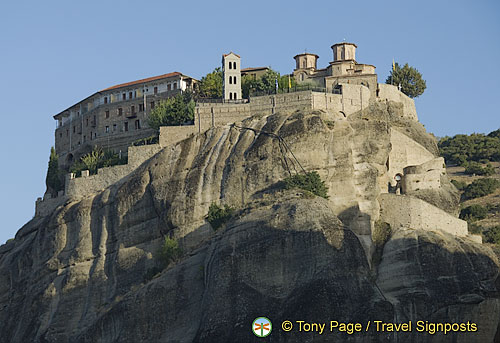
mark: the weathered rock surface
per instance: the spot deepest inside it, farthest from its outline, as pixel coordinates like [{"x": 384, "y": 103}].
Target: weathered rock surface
[{"x": 78, "y": 275}]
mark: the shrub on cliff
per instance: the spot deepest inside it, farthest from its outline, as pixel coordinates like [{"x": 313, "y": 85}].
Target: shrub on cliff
[
  {"x": 169, "y": 251},
  {"x": 480, "y": 188},
  {"x": 218, "y": 215},
  {"x": 177, "y": 110},
  {"x": 309, "y": 182}
]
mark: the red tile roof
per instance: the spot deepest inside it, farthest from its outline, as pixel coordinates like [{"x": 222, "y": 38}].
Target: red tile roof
[{"x": 164, "y": 76}]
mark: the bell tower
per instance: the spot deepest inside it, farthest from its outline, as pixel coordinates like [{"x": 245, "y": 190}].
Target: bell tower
[{"x": 231, "y": 77}]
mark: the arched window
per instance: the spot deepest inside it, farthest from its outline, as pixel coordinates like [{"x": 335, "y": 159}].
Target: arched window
[
  {"x": 230, "y": 96},
  {"x": 230, "y": 79},
  {"x": 234, "y": 80},
  {"x": 230, "y": 65},
  {"x": 303, "y": 64},
  {"x": 235, "y": 97},
  {"x": 234, "y": 65}
]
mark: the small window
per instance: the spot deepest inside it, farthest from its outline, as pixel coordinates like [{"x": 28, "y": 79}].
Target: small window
[
  {"x": 234, "y": 79},
  {"x": 125, "y": 126},
  {"x": 141, "y": 107},
  {"x": 132, "y": 109},
  {"x": 230, "y": 65},
  {"x": 169, "y": 87},
  {"x": 120, "y": 111},
  {"x": 107, "y": 129},
  {"x": 130, "y": 95},
  {"x": 234, "y": 65},
  {"x": 60, "y": 134},
  {"x": 230, "y": 96},
  {"x": 114, "y": 127},
  {"x": 230, "y": 79},
  {"x": 105, "y": 99},
  {"x": 107, "y": 114},
  {"x": 137, "y": 125},
  {"x": 152, "y": 104},
  {"x": 156, "y": 90},
  {"x": 87, "y": 122},
  {"x": 91, "y": 135},
  {"x": 175, "y": 85},
  {"x": 124, "y": 96}
]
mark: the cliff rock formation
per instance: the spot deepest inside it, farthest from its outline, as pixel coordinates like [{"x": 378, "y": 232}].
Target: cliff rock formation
[{"x": 80, "y": 273}]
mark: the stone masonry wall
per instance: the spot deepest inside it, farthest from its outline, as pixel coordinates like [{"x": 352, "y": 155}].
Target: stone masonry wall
[
  {"x": 391, "y": 93},
  {"x": 410, "y": 212},
  {"x": 105, "y": 177}
]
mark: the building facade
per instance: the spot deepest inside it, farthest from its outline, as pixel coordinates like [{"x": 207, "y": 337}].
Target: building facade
[
  {"x": 114, "y": 117},
  {"x": 342, "y": 70}
]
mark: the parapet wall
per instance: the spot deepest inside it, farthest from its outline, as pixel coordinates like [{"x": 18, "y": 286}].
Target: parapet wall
[
  {"x": 391, "y": 93},
  {"x": 105, "y": 177},
  {"x": 410, "y": 212}
]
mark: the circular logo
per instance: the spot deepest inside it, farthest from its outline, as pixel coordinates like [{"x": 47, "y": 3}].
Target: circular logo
[{"x": 262, "y": 327}]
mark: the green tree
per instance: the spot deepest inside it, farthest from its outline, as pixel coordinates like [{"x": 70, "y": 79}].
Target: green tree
[
  {"x": 173, "y": 111},
  {"x": 410, "y": 79},
  {"x": 460, "y": 149},
  {"x": 169, "y": 251},
  {"x": 481, "y": 187},
  {"x": 54, "y": 176},
  {"x": 473, "y": 213},
  {"x": 210, "y": 85}
]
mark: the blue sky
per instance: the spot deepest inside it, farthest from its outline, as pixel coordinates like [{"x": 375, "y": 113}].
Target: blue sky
[{"x": 55, "y": 53}]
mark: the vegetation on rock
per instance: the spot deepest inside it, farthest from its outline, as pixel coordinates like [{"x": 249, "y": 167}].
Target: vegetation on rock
[
  {"x": 176, "y": 110},
  {"x": 381, "y": 234},
  {"x": 409, "y": 78},
  {"x": 97, "y": 158},
  {"x": 154, "y": 139},
  {"x": 54, "y": 179},
  {"x": 217, "y": 215},
  {"x": 169, "y": 251},
  {"x": 309, "y": 182}
]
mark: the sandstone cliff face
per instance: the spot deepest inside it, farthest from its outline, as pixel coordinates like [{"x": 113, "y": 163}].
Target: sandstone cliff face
[{"x": 78, "y": 275}]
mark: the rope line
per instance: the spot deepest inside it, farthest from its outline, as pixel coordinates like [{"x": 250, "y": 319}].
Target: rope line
[{"x": 284, "y": 148}]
